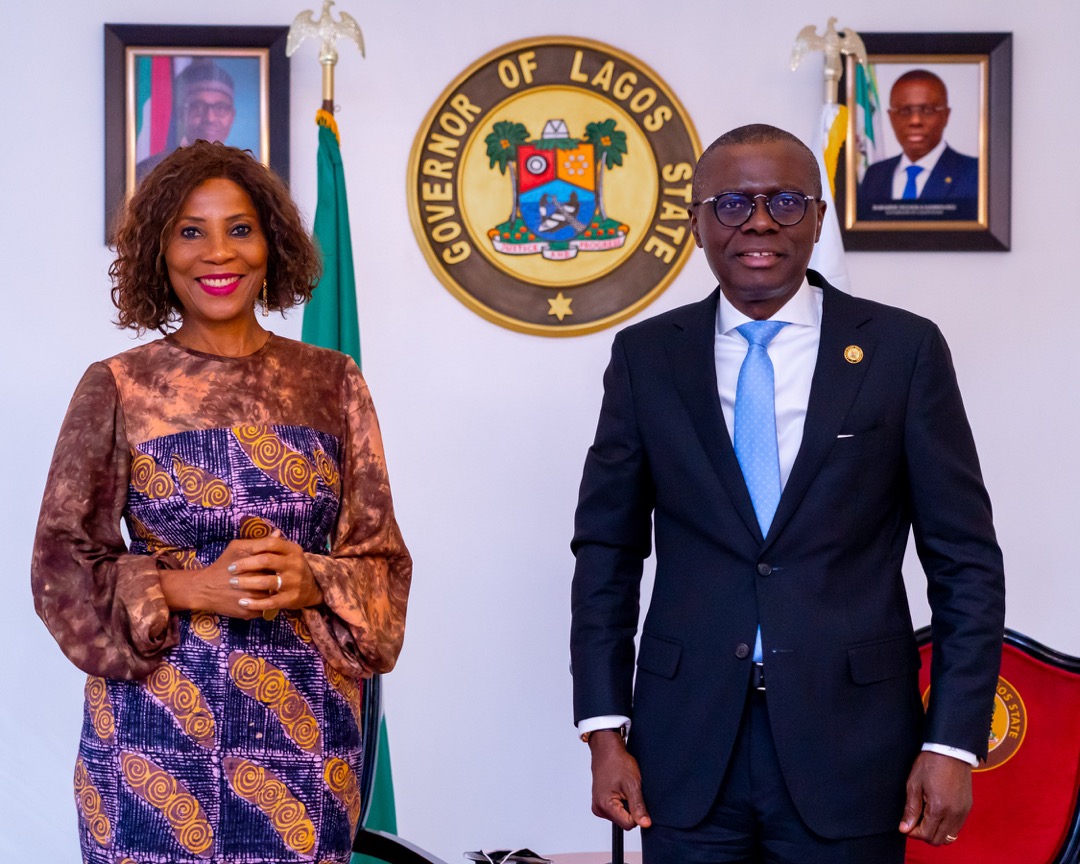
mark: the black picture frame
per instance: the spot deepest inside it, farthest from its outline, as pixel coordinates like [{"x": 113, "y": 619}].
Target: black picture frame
[
  {"x": 125, "y": 42},
  {"x": 869, "y": 224}
]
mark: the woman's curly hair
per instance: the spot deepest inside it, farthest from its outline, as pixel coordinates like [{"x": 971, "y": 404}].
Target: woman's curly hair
[{"x": 141, "y": 289}]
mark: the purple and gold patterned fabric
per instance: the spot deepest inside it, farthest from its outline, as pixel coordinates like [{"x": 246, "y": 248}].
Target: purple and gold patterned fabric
[{"x": 208, "y": 738}]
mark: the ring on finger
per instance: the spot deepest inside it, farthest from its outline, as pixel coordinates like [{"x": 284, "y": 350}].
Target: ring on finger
[
  {"x": 951, "y": 838},
  {"x": 278, "y": 587}
]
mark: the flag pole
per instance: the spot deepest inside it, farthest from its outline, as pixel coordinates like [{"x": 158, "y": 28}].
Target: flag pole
[
  {"x": 331, "y": 321},
  {"x": 328, "y": 31},
  {"x": 828, "y": 257}
]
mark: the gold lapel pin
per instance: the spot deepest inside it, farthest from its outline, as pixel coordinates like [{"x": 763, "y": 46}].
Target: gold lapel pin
[{"x": 853, "y": 354}]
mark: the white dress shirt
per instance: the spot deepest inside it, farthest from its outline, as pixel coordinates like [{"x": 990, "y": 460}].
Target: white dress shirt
[{"x": 927, "y": 163}]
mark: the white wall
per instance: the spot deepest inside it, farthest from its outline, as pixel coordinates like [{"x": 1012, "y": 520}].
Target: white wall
[{"x": 486, "y": 429}]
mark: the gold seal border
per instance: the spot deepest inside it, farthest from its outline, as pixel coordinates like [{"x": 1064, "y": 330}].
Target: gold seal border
[
  {"x": 978, "y": 769},
  {"x": 1023, "y": 729},
  {"x": 416, "y": 220}
]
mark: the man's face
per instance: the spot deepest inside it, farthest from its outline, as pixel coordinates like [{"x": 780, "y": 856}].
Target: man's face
[
  {"x": 760, "y": 264},
  {"x": 208, "y": 114},
  {"x": 918, "y": 111}
]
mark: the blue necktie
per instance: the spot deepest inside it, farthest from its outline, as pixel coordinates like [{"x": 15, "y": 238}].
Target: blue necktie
[
  {"x": 755, "y": 428},
  {"x": 910, "y": 192},
  {"x": 755, "y": 421}
]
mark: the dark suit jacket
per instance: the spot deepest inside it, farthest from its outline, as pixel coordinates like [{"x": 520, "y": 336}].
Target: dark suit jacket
[
  {"x": 886, "y": 445},
  {"x": 953, "y": 180}
]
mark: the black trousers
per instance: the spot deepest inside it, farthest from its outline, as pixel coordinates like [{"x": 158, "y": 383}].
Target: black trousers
[{"x": 754, "y": 820}]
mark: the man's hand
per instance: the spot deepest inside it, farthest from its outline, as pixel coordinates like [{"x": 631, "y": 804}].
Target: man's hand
[
  {"x": 616, "y": 788},
  {"x": 938, "y": 798}
]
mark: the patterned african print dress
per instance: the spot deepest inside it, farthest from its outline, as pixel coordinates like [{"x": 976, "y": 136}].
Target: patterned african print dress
[{"x": 208, "y": 738}]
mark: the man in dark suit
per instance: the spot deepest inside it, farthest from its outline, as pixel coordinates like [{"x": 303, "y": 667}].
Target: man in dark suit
[
  {"x": 941, "y": 183},
  {"x": 776, "y": 708}
]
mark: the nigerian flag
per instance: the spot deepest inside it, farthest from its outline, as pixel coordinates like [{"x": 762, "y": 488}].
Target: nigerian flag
[{"x": 330, "y": 320}]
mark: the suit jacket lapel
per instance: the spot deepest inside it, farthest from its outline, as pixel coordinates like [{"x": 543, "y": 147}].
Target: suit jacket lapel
[
  {"x": 833, "y": 388},
  {"x": 690, "y": 350}
]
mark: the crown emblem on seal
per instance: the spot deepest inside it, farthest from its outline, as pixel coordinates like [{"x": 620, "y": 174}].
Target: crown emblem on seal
[{"x": 548, "y": 186}]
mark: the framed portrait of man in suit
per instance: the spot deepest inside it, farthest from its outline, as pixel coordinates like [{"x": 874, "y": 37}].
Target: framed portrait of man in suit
[
  {"x": 167, "y": 87},
  {"x": 927, "y": 159}
]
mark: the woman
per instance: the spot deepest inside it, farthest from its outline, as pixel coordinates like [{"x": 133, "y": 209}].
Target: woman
[{"x": 265, "y": 574}]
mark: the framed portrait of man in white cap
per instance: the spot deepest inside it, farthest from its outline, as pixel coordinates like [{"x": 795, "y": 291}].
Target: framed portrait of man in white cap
[{"x": 167, "y": 87}]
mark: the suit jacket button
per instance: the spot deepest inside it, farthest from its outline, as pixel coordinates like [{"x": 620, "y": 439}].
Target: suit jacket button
[
  {"x": 764, "y": 569},
  {"x": 742, "y": 650}
]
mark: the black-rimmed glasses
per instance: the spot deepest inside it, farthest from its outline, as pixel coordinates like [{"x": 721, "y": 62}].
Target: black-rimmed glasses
[
  {"x": 907, "y": 111},
  {"x": 733, "y": 209}
]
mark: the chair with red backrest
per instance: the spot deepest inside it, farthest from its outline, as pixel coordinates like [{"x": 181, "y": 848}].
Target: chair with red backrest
[{"x": 1027, "y": 793}]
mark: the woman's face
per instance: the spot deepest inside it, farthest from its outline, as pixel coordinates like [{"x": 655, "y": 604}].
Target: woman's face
[{"x": 216, "y": 256}]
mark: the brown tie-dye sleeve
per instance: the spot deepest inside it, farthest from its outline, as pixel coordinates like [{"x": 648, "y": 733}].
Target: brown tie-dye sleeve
[
  {"x": 365, "y": 578},
  {"x": 103, "y": 606}
]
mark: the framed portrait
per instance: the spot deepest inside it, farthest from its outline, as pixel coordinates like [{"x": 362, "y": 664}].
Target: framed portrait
[
  {"x": 927, "y": 163},
  {"x": 167, "y": 86}
]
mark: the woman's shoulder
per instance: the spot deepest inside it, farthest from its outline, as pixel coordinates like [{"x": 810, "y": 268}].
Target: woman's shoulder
[
  {"x": 307, "y": 353},
  {"x": 140, "y": 356}
]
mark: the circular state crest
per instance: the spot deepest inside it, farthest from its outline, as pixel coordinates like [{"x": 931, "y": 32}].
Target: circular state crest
[
  {"x": 1008, "y": 725},
  {"x": 548, "y": 186}
]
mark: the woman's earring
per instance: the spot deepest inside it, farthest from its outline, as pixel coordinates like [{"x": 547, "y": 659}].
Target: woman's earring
[{"x": 265, "y": 300}]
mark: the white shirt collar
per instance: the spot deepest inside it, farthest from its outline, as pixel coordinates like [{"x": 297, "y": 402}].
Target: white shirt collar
[
  {"x": 928, "y": 161},
  {"x": 803, "y": 308}
]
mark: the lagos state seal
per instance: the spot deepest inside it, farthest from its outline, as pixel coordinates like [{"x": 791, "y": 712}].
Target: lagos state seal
[
  {"x": 549, "y": 183},
  {"x": 1008, "y": 725}
]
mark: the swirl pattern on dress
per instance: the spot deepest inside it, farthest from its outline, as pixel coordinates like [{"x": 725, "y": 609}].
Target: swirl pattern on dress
[
  {"x": 300, "y": 628},
  {"x": 171, "y": 799},
  {"x": 99, "y": 706},
  {"x": 265, "y": 683},
  {"x": 327, "y": 469},
  {"x": 348, "y": 689},
  {"x": 341, "y": 781},
  {"x": 179, "y": 695},
  {"x": 207, "y": 626},
  {"x": 183, "y": 557},
  {"x": 90, "y": 807},
  {"x": 288, "y": 816},
  {"x": 277, "y": 459},
  {"x": 200, "y": 487},
  {"x": 254, "y": 528},
  {"x": 149, "y": 478}
]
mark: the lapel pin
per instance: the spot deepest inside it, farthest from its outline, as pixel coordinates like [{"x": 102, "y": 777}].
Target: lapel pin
[
  {"x": 948, "y": 179},
  {"x": 853, "y": 354}
]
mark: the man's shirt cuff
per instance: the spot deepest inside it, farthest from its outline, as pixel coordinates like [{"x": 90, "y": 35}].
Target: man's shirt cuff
[
  {"x": 955, "y": 752},
  {"x": 607, "y": 721}
]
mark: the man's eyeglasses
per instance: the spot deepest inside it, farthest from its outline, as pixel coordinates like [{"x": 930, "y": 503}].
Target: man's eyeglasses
[
  {"x": 733, "y": 209},
  {"x": 199, "y": 108},
  {"x": 908, "y": 111}
]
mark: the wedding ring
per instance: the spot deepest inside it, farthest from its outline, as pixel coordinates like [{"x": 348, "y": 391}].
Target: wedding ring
[
  {"x": 951, "y": 838},
  {"x": 278, "y": 583}
]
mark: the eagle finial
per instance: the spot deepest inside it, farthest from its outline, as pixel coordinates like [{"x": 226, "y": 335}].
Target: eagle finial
[
  {"x": 833, "y": 43},
  {"x": 328, "y": 31}
]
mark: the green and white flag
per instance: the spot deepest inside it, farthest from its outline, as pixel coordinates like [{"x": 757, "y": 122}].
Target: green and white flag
[
  {"x": 330, "y": 318},
  {"x": 869, "y": 128}
]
